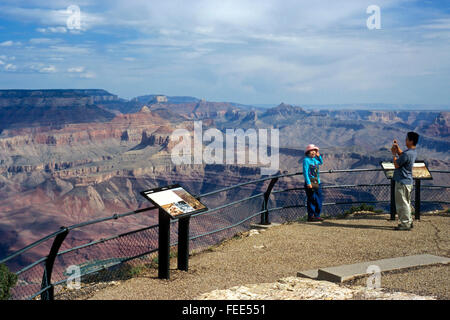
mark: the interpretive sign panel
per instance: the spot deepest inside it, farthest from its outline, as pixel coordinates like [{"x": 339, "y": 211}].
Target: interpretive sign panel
[
  {"x": 420, "y": 170},
  {"x": 175, "y": 201}
]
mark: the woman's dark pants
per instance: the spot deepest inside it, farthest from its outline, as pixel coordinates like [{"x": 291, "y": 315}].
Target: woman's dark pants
[{"x": 314, "y": 201}]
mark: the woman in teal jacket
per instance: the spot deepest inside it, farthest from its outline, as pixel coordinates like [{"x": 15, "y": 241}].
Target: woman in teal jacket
[{"x": 313, "y": 188}]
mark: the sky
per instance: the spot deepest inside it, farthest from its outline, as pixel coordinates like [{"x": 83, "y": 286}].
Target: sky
[{"x": 247, "y": 51}]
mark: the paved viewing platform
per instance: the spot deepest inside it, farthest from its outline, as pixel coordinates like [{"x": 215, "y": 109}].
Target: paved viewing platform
[{"x": 267, "y": 255}]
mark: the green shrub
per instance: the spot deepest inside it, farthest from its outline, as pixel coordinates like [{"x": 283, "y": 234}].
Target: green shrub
[
  {"x": 7, "y": 281},
  {"x": 362, "y": 207},
  {"x": 136, "y": 271}
]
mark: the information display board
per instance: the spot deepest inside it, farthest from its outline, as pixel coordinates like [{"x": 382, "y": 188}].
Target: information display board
[
  {"x": 420, "y": 170},
  {"x": 174, "y": 200}
]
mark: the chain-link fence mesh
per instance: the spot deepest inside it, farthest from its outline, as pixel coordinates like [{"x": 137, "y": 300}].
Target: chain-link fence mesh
[
  {"x": 289, "y": 205},
  {"x": 435, "y": 194},
  {"x": 103, "y": 261},
  {"x": 212, "y": 228},
  {"x": 29, "y": 282},
  {"x": 230, "y": 212}
]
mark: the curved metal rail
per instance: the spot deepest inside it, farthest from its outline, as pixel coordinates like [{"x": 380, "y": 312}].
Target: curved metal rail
[{"x": 59, "y": 236}]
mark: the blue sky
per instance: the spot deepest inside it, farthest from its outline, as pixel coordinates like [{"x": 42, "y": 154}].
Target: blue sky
[{"x": 255, "y": 52}]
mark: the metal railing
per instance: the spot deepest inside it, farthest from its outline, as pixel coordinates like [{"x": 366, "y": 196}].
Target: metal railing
[{"x": 232, "y": 210}]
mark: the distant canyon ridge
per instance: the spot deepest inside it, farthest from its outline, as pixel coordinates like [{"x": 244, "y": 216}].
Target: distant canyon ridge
[{"x": 68, "y": 156}]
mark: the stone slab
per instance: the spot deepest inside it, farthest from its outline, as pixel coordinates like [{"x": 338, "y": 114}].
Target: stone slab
[
  {"x": 311, "y": 274},
  {"x": 348, "y": 272}
]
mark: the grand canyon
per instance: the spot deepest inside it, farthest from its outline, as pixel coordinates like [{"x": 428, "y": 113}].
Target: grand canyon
[{"x": 68, "y": 156}]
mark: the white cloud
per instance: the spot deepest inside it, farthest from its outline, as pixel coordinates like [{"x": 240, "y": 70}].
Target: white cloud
[
  {"x": 439, "y": 24},
  {"x": 75, "y": 69},
  {"x": 87, "y": 75},
  {"x": 52, "y": 30},
  {"x": 8, "y": 43},
  {"x": 4, "y": 58},
  {"x": 38, "y": 41},
  {"x": 71, "y": 50},
  {"x": 49, "y": 69},
  {"x": 56, "y": 58},
  {"x": 10, "y": 67},
  {"x": 56, "y": 18},
  {"x": 42, "y": 68},
  {"x": 300, "y": 88}
]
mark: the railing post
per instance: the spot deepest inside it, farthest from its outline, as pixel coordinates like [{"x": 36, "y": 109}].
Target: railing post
[
  {"x": 393, "y": 209},
  {"x": 47, "y": 276},
  {"x": 265, "y": 214},
  {"x": 417, "y": 200}
]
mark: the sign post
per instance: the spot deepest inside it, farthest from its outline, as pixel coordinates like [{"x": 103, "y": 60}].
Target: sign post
[
  {"x": 393, "y": 209},
  {"x": 417, "y": 200},
  {"x": 183, "y": 244},
  {"x": 163, "y": 245},
  {"x": 420, "y": 172},
  {"x": 173, "y": 203}
]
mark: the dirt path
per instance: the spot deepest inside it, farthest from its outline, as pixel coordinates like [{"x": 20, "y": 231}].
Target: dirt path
[{"x": 284, "y": 250}]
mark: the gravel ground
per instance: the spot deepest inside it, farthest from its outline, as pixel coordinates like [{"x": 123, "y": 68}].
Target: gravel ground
[
  {"x": 284, "y": 250},
  {"x": 431, "y": 280}
]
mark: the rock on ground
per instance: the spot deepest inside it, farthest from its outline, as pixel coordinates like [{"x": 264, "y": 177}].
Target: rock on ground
[{"x": 294, "y": 288}]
